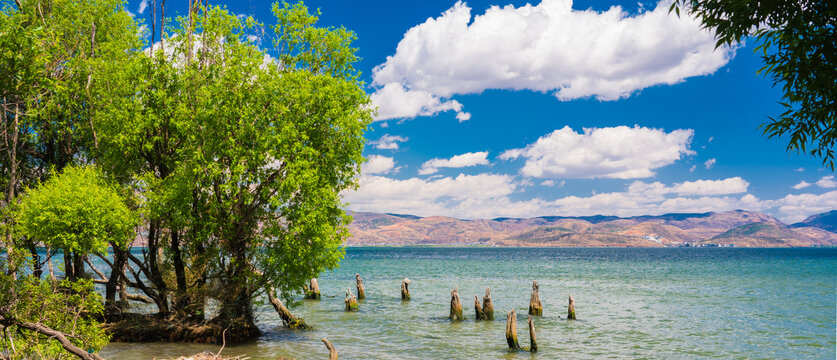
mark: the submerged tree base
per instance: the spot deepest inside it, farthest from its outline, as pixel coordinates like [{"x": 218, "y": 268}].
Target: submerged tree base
[{"x": 152, "y": 328}]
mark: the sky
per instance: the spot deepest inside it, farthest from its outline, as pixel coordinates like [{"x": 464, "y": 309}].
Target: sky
[{"x": 493, "y": 109}]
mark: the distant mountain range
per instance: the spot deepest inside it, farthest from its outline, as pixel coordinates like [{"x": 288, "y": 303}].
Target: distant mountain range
[{"x": 739, "y": 228}]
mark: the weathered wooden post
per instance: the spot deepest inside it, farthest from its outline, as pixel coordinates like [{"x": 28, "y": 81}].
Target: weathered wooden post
[
  {"x": 405, "y": 289},
  {"x": 478, "y": 308},
  {"x": 332, "y": 352},
  {"x": 511, "y": 330},
  {"x": 351, "y": 301},
  {"x": 533, "y": 344},
  {"x": 571, "y": 309},
  {"x": 455, "y": 306},
  {"x": 487, "y": 306},
  {"x": 360, "y": 293},
  {"x": 289, "y": 320},
  {"x": 313, "y": 290},
  {"x": 535, "y": 307}
]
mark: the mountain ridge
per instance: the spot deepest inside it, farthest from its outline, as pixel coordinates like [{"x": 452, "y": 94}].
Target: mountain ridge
[{"x": 673, "y": 229}]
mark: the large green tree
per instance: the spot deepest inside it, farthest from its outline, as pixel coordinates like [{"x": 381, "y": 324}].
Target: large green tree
[
  {"x": 240, "y": 157},
  {"x": 798, "y": 43}
]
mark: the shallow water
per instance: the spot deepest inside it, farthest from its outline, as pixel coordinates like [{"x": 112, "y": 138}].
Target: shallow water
[{"x": 631, "y": 303}]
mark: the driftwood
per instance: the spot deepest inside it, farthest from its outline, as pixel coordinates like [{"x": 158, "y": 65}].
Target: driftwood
[
  {"x": 59, "y": 336},
  {"x": 535, "y": 306},
  {"x": 351, "y": 301},
  {"x": 332, "y": 352},
  {"x": 571, "y": 309},
  {"x": 533, "y": 344},
  {"x": 487, "y": 306},
  {"x": 289, "y": 320},
  {"x": 313, "y": 290},
  {"x": 360, "y": 293},
  {"x": 455, "y": 306},
  {"x": 405, "y": 289},
  {"x": 511, "y": 330},
  {"x": 478, "y": 308}
]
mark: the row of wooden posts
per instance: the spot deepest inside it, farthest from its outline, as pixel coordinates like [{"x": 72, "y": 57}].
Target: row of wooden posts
[{"x": 483, "y": 311}]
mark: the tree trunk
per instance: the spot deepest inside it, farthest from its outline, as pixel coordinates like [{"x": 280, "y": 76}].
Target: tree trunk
[
  {"x": 332, "y": 352},
  {"x": 535, "y": 307},
  {"x": 361, "y": 294},
  {"x": 405, "y": 289},
  {"x": 571, "y": 309},
  {"x": 511, "y": 330},
  {"x": 313, "y": 291},
  {"x": 533, "y": 344},
  {"x": 181, "y": 302},
  {"x": 478, "y": 308},
  {"x": 289, "y": 320},
  {"x": 68, "y": 266},
  {"x": 487, "y": 306},
  {"x": 36, "y": 260},
  {"x": 351, "y": 301},
  {"x": 114, "y": 283},
  {"x": 455, "y": 306}
]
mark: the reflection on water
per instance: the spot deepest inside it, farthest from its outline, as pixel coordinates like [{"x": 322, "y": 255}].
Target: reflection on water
[{"x": 631, "y": 303}]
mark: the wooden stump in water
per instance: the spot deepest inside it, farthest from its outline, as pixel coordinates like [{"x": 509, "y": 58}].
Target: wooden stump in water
[
  {"x": 455, "y": 306},
  {"x": 332, "y": 352},
  {"x": 289, "y": 320},
  {"x": 533, "y": 344},
  {"x": 535, "y": 307},
  {"x": 487, "y": 306},
  {"x": 313, "y": 290},
  {"x": 351, "y": 301},
  {"x": 511, "y": 330},
  {"x": 478, "y": 308},
  {"x": 571, "y": 309},
  {"x": 360, "y": 293},
  {"x": 405, "y": 289}
]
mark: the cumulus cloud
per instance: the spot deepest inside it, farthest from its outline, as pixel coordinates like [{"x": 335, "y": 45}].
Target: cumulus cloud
[
  {"x": 827, "y": 182},
  {"x": 551, "y": 182},
  {"x": 377, "y": 164},
  {"x": 388, "y": 142},
  {"x": 548, "y": 47},
  {"x": 394, "y": 101},
  {"x": 464, "y": 160},
  {"x": 142, "y": 6},
  {"x": 616, "y": 152},
  {"x": 802, "y": 184},
  {"x": 491, "y": 195},
  {"x": 709, "y": 163}
]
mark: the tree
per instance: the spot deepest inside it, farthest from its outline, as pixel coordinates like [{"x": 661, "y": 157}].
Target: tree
[
  {"x": 798, "y": 43},
  {"x": 78, "y": 212},
  {"x": 240, "y": 157}
]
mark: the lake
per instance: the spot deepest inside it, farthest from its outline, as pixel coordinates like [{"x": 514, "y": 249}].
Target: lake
[{"x": 630, "y": 302}]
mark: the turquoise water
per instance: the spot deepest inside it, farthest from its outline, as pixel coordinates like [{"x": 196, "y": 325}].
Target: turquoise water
[{"x": 631, "y": 303}]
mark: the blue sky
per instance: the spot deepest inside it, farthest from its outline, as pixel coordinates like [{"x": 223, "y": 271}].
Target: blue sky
[{"x": 503, "y": 109}]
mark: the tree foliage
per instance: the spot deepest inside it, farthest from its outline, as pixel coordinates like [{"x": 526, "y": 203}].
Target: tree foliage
[
  {"x": 234, "y": 155},
  {"x": 33, "y": 314},
  {"x": 798, "y": 45},
  {"x": 76, "y": 211}
]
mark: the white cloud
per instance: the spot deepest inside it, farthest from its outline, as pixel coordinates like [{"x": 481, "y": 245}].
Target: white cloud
[
  {"x": 489, "y": 196},
  {"x": 464, "y": 160},
  {"x": 802, "y": 184},
  {"x": 795, "y": 208},
  {"x": 142, "y": 6},
  {"x": 377, "y": 164},
  {"x": 384, "y": 125},
  {"x": 463, "y": 116},
  {"x": 547, "y": 47},
  {"x": 710, "y": 139},
  {"x": 388, "y": 142},
  {"x": 618, "y": 152},
  {"x": 709, "y": 163},
  {"x": 692, "y": 169},
  {"x": 827, "y": 182},
  {"x": 799, "y": 169},
  {"x": 394, "y": 101}
]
